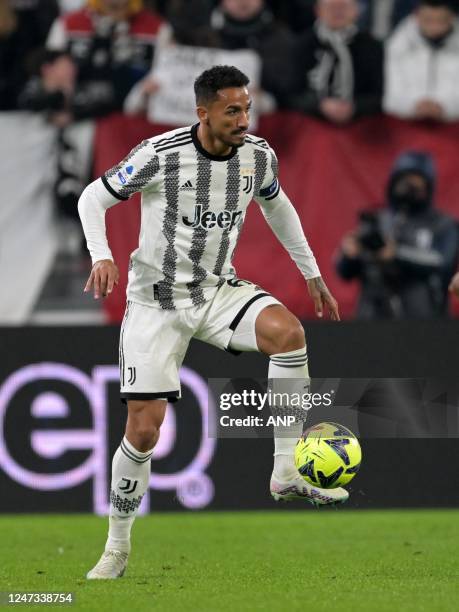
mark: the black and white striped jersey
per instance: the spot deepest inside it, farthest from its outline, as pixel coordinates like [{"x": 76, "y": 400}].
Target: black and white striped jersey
[{"x": 192, "y": 211}]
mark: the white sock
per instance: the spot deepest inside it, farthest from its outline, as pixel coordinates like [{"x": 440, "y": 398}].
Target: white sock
[
  {"x": 290, "y": 365},
  {"x": 130, "y": 479}
]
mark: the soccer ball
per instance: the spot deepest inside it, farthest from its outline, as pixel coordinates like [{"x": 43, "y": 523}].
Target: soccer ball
[{"x": 328, "y": 455}]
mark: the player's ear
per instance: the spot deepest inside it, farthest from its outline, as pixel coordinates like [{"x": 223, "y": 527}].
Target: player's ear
[{"x": 203, "y": 115}]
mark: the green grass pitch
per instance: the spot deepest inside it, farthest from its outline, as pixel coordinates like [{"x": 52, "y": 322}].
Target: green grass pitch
[{"x": 311, "y": 560}]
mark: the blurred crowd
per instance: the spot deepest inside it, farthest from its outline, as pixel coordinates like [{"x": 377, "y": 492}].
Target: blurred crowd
[
  {"x": 337, "y": 59},
  {"x": 77, "y": 60}
]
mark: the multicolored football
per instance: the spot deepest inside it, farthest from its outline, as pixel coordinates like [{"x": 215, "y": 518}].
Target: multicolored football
[{"x": 328, "y": 455}]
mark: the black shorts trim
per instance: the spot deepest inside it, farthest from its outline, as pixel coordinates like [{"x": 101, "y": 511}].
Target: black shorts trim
[
  {"x": 110, "y": 189},
  {"x": 171, "y": 396},
  {"x": 237, "y": 319}
]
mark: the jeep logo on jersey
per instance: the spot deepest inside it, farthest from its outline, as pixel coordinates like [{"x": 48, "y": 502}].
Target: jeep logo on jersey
[{"x": 224, "y": 220}]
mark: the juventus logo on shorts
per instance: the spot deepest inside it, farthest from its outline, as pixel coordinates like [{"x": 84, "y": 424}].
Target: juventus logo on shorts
[
  {"x": 129, "y": 487},
  {"x": 132, "y": 376},
  {"x": 248, "y": 182}
]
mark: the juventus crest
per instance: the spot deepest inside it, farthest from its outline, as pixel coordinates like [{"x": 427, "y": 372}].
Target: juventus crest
[
  {"x": 132, "y": 375},
  {"x": 247, "y": 183},
  {"x": 128, "y": 486}
]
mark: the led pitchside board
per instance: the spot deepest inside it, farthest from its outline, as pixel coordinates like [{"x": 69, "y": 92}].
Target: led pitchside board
[{"x": 64, "y": 455}]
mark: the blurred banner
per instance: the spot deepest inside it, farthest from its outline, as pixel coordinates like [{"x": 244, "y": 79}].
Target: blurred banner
[
  {"x": 330, "y": 173},
  {"x": 28, "y": 236},
  {"x": 61, "y": 421},
  {"x": 175, "y": 70}
]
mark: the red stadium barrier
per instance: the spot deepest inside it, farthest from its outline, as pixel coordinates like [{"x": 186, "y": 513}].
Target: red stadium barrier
[{"x": 329, "y": 173}]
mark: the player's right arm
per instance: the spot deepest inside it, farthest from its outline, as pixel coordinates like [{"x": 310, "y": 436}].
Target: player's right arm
[
  {"x": 92, "y": 206},
  {"x": 134, "y": 173}
]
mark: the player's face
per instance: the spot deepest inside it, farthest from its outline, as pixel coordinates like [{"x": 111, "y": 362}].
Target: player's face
[{"x": 228, "y": 116}]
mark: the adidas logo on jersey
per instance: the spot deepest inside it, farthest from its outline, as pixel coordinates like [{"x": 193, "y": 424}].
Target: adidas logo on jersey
[
  {"x": 187, "y": 186},
  {"x": 225, "y": 219}
]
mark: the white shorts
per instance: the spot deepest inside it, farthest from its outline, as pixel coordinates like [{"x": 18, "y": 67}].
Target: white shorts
[{"x": 153, "y": 342}]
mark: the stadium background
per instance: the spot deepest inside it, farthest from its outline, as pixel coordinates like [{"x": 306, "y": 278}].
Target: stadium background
[
  {"x": 210, "y": 537},
  {"x": 60, "y": 416}
]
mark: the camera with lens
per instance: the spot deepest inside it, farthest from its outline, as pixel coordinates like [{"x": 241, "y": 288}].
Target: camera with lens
[{"x": 369, "y": 234}]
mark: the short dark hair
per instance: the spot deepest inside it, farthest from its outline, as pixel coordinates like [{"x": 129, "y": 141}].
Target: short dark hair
[
  {"x": 452, "y": 5},
  {"x": 211, "y": 81}
]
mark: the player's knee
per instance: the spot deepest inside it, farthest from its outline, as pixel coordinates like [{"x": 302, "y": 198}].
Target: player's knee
[
  {"x": 292, "y": 337},
  {"x": 286, "y": 334}
]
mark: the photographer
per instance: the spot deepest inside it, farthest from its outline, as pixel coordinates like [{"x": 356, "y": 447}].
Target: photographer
[{"x": 404, "y": 255}]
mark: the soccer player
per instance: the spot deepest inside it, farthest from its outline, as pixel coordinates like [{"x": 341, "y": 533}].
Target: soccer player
[{"x": 196, "y": 184}]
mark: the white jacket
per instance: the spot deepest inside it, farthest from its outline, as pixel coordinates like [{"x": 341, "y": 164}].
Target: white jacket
[{"x": 416, "y": 71}]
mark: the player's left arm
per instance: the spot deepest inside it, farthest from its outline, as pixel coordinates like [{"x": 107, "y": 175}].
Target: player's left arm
[{"x": 283, "y": 219}]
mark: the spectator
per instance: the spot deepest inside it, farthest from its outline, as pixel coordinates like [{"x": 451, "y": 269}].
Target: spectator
[
  {"x": 380, "y": 17},
  {"x": 298, "y": 15},
  {"x": 24, "y": 26},
  {"x": 340, "y": 69},
  {"x": 236, "y": 24},
  {"x": 422, "y": 65},
  {"x": 188, "y": 23},
  {"x": 112, "y": 43},
  {"x": 404, "y": 255},
  {"x": 249, "y": 24},
  {"x": 52, "y": 88},
  {"x": 95, "y": 56}
]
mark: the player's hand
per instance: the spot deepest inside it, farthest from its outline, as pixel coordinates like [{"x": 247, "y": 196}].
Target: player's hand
[
  {"x": 104, "y": 275},
  {"x": 454, "y": 284},
  {"x": 321, "y": 297}
]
